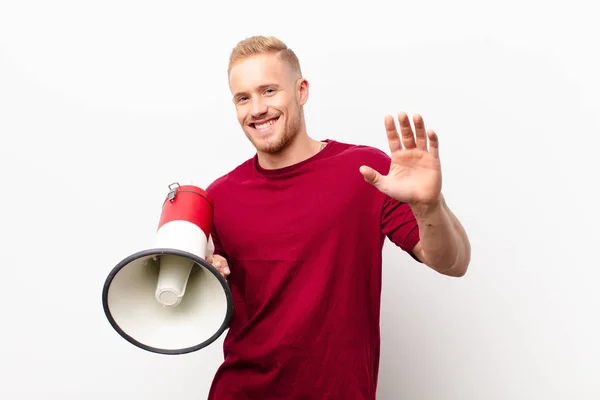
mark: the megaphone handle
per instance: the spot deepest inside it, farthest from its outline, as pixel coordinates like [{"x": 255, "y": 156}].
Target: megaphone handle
[{"x": 210, "y": 246}]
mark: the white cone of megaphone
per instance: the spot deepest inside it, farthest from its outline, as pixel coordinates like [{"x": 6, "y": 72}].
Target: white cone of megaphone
[{"x": 168, "y": 299}]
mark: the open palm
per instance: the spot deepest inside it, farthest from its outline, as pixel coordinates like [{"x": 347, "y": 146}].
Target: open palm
[{"x": 415, "y": 175}]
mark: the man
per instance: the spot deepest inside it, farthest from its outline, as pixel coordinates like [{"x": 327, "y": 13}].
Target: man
[{"x": 299, "y": 230}]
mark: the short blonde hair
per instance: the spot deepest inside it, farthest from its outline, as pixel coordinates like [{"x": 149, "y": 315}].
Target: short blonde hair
[{"x": 257, "y": 45}]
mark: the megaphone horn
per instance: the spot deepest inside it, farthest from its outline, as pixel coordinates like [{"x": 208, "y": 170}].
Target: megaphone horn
[{"x": 168, "y": 299}]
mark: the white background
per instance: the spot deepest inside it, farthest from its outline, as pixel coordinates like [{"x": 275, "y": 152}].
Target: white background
[{"x": 105, "y": 103}]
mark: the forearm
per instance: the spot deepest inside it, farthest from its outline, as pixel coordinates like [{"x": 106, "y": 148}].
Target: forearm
[{"x": 444, "y": 245}]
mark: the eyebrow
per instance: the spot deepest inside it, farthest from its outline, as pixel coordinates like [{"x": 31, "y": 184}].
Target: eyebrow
[{"x": 260, "y": 87}]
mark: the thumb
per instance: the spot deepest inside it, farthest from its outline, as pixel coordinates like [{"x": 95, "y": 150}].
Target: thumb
[{"x": 371, "y": 176}]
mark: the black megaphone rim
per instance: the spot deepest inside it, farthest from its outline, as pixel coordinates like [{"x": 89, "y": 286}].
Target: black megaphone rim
[{"x": 159, "y": 252}]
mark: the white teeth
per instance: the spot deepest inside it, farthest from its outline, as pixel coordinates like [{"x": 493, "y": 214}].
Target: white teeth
[{"x": 266, "y": 124}]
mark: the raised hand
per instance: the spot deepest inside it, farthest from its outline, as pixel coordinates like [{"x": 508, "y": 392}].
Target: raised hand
[{"x": 415, "y": 175}]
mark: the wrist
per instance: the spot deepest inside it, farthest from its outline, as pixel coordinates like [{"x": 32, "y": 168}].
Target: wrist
[{"x": 425, "y": 210}]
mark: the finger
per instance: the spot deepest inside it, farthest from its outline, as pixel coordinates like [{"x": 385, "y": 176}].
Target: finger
[
  {"x": 420, "y": 132},
  {"x": 371, "y": 176},
  {"x": 392, "y": 134},
  {"x": 222, "y": 267},
  {"x": 434, "y": 143},
  {"x": 408, "y": 137}
]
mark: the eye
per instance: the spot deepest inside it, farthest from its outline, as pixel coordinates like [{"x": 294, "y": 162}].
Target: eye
[{"x": 270, "y": 91}]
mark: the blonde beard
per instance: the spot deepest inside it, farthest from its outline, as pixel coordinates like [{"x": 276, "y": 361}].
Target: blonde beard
[{"x": 289, "y": 134}]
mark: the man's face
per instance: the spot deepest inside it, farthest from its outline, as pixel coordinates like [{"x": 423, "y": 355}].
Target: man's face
[{"x": 268, "y": 96}]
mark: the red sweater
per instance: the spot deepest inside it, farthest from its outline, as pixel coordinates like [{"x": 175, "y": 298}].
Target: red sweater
[{"x": 304, "y": 245}]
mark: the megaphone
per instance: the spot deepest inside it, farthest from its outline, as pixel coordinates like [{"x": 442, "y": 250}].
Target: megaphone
[{"x": 168, "y": 299}]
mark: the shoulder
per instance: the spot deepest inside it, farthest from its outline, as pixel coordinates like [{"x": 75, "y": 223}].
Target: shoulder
[
  {"x": 363, "y": 155},
  {"x": 225, "y": 182}
]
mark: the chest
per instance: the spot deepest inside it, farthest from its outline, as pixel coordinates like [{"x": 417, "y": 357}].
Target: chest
[{"x": 285, "y": 219}]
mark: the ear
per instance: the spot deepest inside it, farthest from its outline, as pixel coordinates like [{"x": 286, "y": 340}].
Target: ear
[{"x": 302, "y": 90}]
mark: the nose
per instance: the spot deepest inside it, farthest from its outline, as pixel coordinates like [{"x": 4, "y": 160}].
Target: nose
[{"x": 259, "y": 108}]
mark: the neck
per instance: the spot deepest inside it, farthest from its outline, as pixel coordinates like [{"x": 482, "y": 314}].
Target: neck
[{"x": 299, "y": 149}]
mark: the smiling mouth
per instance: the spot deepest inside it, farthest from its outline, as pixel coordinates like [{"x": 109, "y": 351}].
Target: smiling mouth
[{"x": 264, "y": 124}]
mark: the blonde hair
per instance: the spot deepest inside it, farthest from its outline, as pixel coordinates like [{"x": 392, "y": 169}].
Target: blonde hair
[{"x": 257, "y": 45}]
